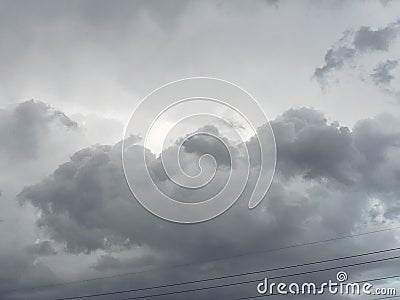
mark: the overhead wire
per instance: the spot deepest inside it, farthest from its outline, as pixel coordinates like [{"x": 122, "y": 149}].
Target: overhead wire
[
  {"x": 232, "y": 275},
  {"x": 203, "y": 262}
]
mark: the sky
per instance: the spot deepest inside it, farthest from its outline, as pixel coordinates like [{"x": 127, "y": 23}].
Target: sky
[{"x": 326, "y": 74}]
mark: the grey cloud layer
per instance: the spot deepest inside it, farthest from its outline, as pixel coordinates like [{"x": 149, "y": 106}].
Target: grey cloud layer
[
  {"x": 87, "y": 204},
  {"x": 323, "y": 170},
  {"x": 78, "y": 218}
]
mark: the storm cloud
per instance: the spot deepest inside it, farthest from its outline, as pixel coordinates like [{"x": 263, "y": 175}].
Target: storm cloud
[
  {"x": 70, "y": 224},
  {"x": 323, "y": 169}
]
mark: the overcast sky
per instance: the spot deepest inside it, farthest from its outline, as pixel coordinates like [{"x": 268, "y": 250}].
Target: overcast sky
[{"x": 327, "y": 75}]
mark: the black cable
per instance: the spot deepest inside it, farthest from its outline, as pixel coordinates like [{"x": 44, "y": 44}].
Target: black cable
[
  {"x": 361, "y": 281},
  {"x": 257, "y": 280},
  {"x": 231, "y": 276},
  {"x": 202, "y": 262}
]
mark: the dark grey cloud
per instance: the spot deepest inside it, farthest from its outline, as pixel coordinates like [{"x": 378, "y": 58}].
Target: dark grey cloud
[
  {"x": 308, "y": 148},
  {"x": 80, "y": 202},
  {"x": 308, "y": 145},
  {"x": 323, "y": 169},
  {"x": 35, "y": 139},
  {"x": 25, "y": 126},
  {"x": 334, "y": 59},
  {"x": 382, "y": 73},
  {"x": 367, "y": 39},
  {"x": 331, "y": 180},
  {"x": 383, "y": 77},
  {"x": 207, "y": 144},
  {"x": 356, "y": 43}
]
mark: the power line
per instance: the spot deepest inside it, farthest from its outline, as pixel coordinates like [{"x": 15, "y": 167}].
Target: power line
[
  {"x": 256, "y": 280},
  {"x": 231, "y": 276},
  {"x": 361, "y": 281},
  {"x": 202, "y": 262},
  {"x": 243, "y": 282}
]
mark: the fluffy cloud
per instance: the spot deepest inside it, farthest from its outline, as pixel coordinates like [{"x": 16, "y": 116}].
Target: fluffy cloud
[
  {"x": 25, "y": 126},
  {"x": 323, "y": 170},
  {"x": 308, "y": 145},
  {"x": 36, "y": 138},
  {"x": 87, "y": 204},
  {"x": 101, "y": 59}
]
